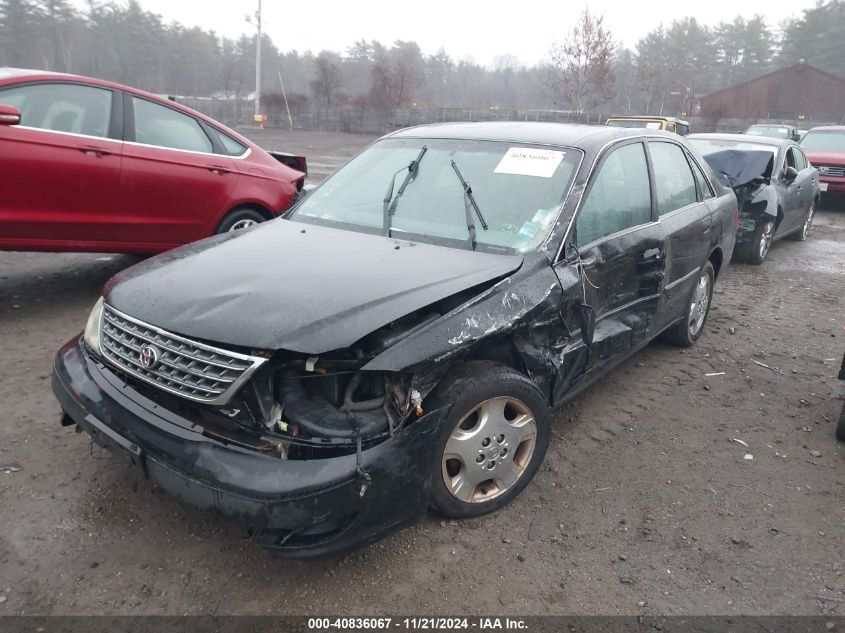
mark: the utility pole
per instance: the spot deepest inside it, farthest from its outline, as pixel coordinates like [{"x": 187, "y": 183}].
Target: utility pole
[{"x": 257, "y": 60}]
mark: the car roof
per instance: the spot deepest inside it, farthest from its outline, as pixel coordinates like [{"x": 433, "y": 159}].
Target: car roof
[
  {"x": 7, "y": 73},
  {"x": 35, "y": 74},
  {"x": 748, "y": 138},
  {"x": 9, "y": 76},
  {"x": 561, "y": 134},
  {"x": 650, "y": 117},
  {"x": 828, "y": 128}
]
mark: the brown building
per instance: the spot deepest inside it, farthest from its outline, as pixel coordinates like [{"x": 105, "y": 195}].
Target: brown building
[{"x": 796, "y": 92}]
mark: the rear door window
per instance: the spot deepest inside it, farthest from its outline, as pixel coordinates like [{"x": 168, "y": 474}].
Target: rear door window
[
  {"x": 165, "y": 127},
  {"x": 62, "y": 107},
  {"x": 620, "y": 197},
  {"x": 704, "y": 188},
  {"x": 672, "y": 176}
]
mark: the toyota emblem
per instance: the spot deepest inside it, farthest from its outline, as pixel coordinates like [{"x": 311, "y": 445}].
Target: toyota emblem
[{"x": 150, "y": 356}]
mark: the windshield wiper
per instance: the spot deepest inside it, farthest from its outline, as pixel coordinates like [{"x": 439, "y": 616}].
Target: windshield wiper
[
  {"x": 389, "y": 209},
  {"x": 469, "y": 199}
]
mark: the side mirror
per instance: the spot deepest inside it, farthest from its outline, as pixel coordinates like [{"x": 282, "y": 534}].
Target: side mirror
[
  {"x": 789, "y": 175},
  {"x": 9, "y": 115}
]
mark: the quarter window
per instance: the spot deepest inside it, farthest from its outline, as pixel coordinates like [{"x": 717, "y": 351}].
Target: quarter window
[
  {"x": 620, "y": 197},
  {"x": 232, "y": 147},
  {"x": 672, "y": 176},
  {"x": 62, "y": 107},
  {"x": 165, "y": 127}
]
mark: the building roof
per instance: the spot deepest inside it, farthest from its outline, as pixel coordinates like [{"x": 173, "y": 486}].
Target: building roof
[{"x": 779, "y": 71}]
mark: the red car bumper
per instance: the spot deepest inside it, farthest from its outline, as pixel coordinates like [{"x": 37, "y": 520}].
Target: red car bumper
[{"x": 834, "y": 184}]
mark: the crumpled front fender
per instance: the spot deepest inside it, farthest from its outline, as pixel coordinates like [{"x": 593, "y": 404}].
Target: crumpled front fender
[
  {"x": 496, "y": 312},
  {"x": 767, "y": 197}
]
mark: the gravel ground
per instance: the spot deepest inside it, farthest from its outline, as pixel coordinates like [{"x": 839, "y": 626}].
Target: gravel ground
[{"x": 646, "y": 504}]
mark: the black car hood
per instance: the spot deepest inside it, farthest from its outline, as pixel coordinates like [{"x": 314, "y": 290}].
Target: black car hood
[
  {"x": 735, "y": 168},
  {"x": 293, "y": 286}
]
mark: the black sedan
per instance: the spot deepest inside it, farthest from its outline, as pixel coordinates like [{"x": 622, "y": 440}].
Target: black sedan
[
  {"x": 400, "y": 340},
  {"x": 776, "y": 186}
]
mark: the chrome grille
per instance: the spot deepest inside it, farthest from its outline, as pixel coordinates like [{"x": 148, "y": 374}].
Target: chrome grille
[
  {"x": 187, "y": 368},
  {"x": 831, "y": 170}
]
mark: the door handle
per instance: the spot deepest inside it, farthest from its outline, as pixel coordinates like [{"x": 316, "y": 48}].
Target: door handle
[
  {"x": 651, "y": 256},
  {"x": 94, "y": 151},
  {"x": 216, "y": 169}
]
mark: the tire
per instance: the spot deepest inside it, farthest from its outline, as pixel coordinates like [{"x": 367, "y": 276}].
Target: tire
[
  {"x": 238, "y": 219},
  {"x": 689, "y": 329},
  {"x": 840, "y": 427},
  {"x": 756, "y": 251},
  {"x": 804, "y": 232},
  {"x": 504, "y": 420}
]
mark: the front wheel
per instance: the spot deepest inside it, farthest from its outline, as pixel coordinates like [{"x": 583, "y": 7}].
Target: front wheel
[
  {"x": 755, "y": 252},
  {"x": 689, "y": 329},
  {"x": 493, "y": 442}
]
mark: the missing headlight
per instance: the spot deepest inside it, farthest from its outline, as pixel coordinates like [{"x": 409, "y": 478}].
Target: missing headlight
[{"x": 336, "y": 405}]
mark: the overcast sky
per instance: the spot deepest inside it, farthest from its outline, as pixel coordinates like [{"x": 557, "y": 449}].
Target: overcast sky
[{"x": 466, "y": 29}]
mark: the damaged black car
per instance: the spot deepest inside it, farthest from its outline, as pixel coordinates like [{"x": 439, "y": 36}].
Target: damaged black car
[
  {"x": 776, "y": 188},
  {"x": 400, "y": 339}
]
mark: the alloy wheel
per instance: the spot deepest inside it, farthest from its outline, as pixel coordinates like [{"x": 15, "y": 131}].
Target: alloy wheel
[
  {"x": 808, "y": 223},
  {"x": 699, "y": 304},
  {"x": 242, "y": 224},
  {"x": 766, "y": 239},
  {"x": 489, "y": 450}
]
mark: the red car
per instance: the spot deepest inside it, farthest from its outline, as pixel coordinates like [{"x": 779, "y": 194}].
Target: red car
[
  {"x": 89, "y": 165},
  {"x": 825, "y": 148}
]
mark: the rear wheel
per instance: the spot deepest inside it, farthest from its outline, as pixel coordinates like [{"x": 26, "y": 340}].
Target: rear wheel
[
  {"x": 238, "y": 219},
  {"x": 493, "y": 442},
  {"x": 804, "y": 233},
  {"x": 689, "y": 329}
]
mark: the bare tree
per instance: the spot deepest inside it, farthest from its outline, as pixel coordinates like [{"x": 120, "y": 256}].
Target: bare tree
[
  {"x": 579, "y": 72},
  {"x": 329, "y": 78},
  {"x": 406, "y": 70}
]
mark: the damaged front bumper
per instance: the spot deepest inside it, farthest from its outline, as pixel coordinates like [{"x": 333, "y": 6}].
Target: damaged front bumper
[{"x": 295, "y": 508}]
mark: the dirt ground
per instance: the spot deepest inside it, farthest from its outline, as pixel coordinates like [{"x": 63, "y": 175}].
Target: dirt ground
[{"x": 646, "y": 503}]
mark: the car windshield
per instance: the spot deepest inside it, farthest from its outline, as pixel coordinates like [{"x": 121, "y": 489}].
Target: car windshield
[
  {"x": 833, "y": 139},
  {"x": 775, "y": 131},
  {"x": 518, "y": 189},
  {"x": 710, "y": 145},
  {"x": 651, "y": 125}
]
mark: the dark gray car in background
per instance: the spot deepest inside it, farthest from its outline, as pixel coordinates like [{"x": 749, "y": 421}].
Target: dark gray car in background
[
  {"x": 776, "y": 187},
  {"x": 399, "y": 340}
]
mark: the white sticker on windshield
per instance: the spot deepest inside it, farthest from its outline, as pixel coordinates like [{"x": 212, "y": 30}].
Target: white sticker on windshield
[
  {"x": 781, "y": 130},
  {"x": 528, "y": 161},
  {"x": 652, "y": 125}
]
